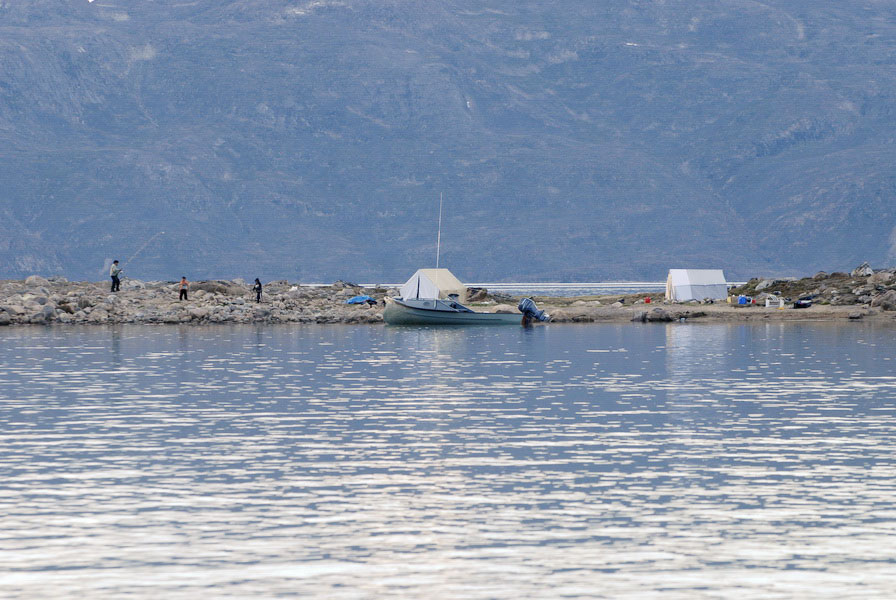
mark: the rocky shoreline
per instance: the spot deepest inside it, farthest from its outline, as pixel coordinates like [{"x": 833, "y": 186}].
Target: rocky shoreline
[
  {"x": 863, "y": 294},
  {"x": 41, "y": 301}
]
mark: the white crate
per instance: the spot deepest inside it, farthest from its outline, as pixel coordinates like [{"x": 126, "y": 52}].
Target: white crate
[{"x": 774, "y": 302}]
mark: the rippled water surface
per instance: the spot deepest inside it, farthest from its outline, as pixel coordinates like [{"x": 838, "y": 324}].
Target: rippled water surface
[{"x": 598, "y": 461}]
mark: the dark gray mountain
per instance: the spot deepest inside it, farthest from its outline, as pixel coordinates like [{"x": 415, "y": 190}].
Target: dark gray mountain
[{"x": 577, "y": 140}]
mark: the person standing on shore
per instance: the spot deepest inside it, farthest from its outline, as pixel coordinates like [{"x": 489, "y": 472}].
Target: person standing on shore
[
  {"x": 114, "y": 273},
  {"x": 257, "y": 288},
  {"x": 184, "y": 286}
]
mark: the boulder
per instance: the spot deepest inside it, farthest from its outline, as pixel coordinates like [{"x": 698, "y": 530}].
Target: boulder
[
  {"x": 98, "y": 316},
  {"x": 820, "y": 275},
  {"x": 5, "y": 319},
  {"x": 885, "y": 301},
  {"x": 881, "y": 278},
  {"x": 844, "y": 299},
  {"x": 44, "y": 315},
  {"x": 863, "y": 270},
  {"x": 476, "y": 294},
  {"x": 565, "y": 315},
  {"x": 133, "y": 284},
  {"x": 765, "y": 283},
  {"x": 35, "y": 281},
  {"x": 15, "y": 309},
  {"x": 658, "y": 315}
]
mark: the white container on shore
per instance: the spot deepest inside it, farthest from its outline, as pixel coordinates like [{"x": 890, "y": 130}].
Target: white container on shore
[{"x": 774, "y": 302}]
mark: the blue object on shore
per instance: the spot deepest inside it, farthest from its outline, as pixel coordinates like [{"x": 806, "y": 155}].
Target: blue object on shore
[{"x": 359, "y": 300}]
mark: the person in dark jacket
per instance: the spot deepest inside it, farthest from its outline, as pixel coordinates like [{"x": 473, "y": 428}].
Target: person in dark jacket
[{"x": 257, "y": 288}]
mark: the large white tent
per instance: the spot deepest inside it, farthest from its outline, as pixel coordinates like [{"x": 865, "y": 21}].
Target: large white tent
[
  {"x": 433, "y": 283},
  {"x": 696, "y": 284}
]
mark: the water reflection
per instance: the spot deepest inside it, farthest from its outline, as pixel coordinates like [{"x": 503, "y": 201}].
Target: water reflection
[{"x": 342, "y": 462}]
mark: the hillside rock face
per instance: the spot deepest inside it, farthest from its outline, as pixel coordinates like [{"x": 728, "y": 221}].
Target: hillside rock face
[{"x": 574, "y": 141}]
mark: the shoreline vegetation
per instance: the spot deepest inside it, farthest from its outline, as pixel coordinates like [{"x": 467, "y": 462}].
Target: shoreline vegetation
[{"x": 863, "y": 294}]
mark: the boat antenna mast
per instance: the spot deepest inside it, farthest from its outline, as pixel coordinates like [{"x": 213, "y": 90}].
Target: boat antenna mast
[{"x": 439, "y": 236}]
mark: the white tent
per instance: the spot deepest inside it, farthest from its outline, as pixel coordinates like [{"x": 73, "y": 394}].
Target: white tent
[
  {"x": 433, "y": 283},
  {"x": 696, "y": 284}
]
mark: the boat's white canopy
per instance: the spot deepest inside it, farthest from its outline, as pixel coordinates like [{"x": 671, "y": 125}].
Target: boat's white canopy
[
  {"x": 433, "y": 283},
  {"x": 696, "y": 284}
]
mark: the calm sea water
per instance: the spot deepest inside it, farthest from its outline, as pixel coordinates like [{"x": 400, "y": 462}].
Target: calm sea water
[{"x": 599, "y": 461}]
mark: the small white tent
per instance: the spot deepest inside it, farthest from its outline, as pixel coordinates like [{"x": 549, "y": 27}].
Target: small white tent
[
  {"x": 433, "y": 283},
  {"x": 696, "y": 284}
]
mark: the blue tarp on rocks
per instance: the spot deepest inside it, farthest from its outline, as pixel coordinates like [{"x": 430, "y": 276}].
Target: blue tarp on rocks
[{"x": 359, "y": 300}]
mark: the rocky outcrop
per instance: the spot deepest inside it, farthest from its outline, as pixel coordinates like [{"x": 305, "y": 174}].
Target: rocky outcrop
[{"x": 863, "y": 286}]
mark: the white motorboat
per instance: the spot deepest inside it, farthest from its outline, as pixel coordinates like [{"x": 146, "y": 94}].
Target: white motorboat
[{"x": 436, "y": 311}]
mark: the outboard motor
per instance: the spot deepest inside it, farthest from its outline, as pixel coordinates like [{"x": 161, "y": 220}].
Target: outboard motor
[{"x": 530, "y": 310}]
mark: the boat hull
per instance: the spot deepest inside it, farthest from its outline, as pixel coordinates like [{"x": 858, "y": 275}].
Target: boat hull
[{"x": 397, "y": 313}]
